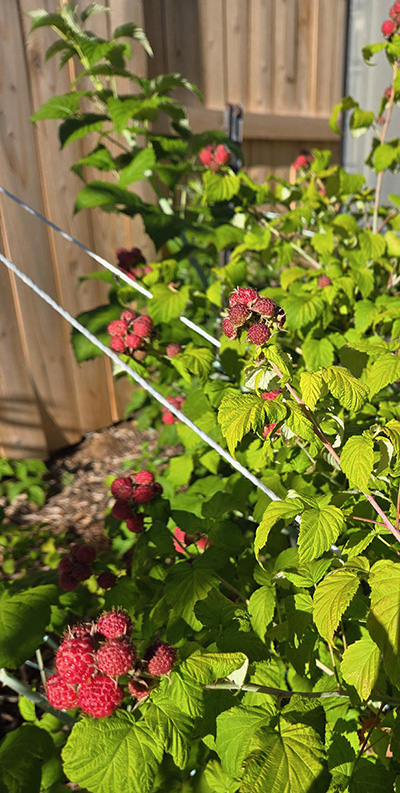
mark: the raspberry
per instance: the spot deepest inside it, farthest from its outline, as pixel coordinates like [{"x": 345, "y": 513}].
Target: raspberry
[
  {"x": 82, "y": 571},
  {"x": 135, "y": 524},
  {"x": 128, "y": 315},
  {"x": 394, "y": 12},
  {"x": 68, "y": 582},
  {"x": 60, "y": 694},
  {"x": 222, "y": 155},
  {"x": 117, "y": 344},
  {"x": 106, "y": 580},
  {"x": 114, "y": 624},
  {"x": 168, "y": 418},
  {"x": 147, "y": 269},
  {"x": 157, "y": 489},
  {"x": 300, "y": 162},
  {"x": 139, "y": 355},
  {"x": 117, "y": 328},
  {"x": 116, "y": 657},
  {"x": 121, "y": 510},
  {"x": 258, "y": 334},
  {"x": 268, "y": 429},
  {"x": 74, "y": 660},
  {"x": 176, "y": 401},
  {"x": 206, "y": 155},
  {"x": 82, "y": 630},
  {"x": 265, "y": 307},
  {"x": 130, "y": 258},
  {"x": 65, "y": 564},
  {"x": 243, "y": 295},
  {"x": 85, "y": 554},
  {"x": 324, "y": 280},
  {"x": 143, "y": 326},
  {"x": 172, "y": 350},
  {"x": 133, "y": 341},
  {"x": 228, "y": 329},
  {"x": 388, "y": 92},
  {"x": 160, "y": 658},
  {"x": 181, "y": 536},
  {"x": 388, "y": 27},
  {"x": 271, "y": 395},
  {"x": 122, "y": 488},
  {"x": 138, "y": 689},
  {"x": 100, "y": 696},
  {"x": 144, "y": 478},
  {"x": 143, "y": 494},
  {"x": 203, "y": 543},
  {"x": 239, "y": 314}
]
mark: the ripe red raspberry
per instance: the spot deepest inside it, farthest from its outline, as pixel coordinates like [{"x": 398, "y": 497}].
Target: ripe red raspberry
[
  {"x": 258, "y": 334},
  {"x": 172, "y": 350},
  {"x": 271, "y": 395},
  {"x": 117, "y": 344},
  {"x": 60, "y": 694},
  {"x": 135, "y": 524},
  {"x": 65, "y": 564},
  {"x": 268, "y": 429},
  {"x": 143, "y": 326},
  {"x": 133, "y": 341},
  {"x": 206, "y": 155},
  {"x": 300, "y": 162},
  {"x": 130, "y": 258},
  {"x": 222, "y": 154},
  {"x": 239, "y": 314},
  {"x": 265, "y": 307},
  {"x": 128, "y": 315},
  {"x": 324, "y": 280},
  {"x": 143, "y": 494},
  {"x": 144, "y": 478},
  {"x": 121, "y": 510},
  {"x": 75, "y": 660},
  {"x": 388, "y": 27},
  {"x": 243, "y": 295},
  {"x": 85, "y": 554},
  {"x": 228, "y": 329},
  {"x": 394, "y": 12},
  {"x": 177, "y": 401},
  {"x": 122, "y": 488},
  {"x": 107, "y": 579},
  {"x": 83, "y": 630},
  {"x": 116, "y": 657},
  {"x": 138, "y": 689},
  {"x": 117, "y": 327},
  {"x": 160, "y": 658},
  {"x": 168, "y": 418},
  {"x": 113, "y": 624},
  {"x": 100, "y": 696},
  {"x": 68, "y": 582},
  {"x": 82, "y": 571}
]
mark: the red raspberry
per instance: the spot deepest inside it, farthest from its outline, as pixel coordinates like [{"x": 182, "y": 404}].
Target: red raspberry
[
  {"x": 74, "y": 660},
  {"x": 177, "y": 401},
  {"x": 130, "y": 258},
  {"x": 117, "y": 327},
  {"x": 60, "y": 694},
  {"x": 160, "y": 658},
  {"x": 214, "y": 165},
  {"x": 116, "y": 657},
  {"x": 271, "y": 395},
  {"x": 65, "y": 564},
  {"x": 100, "y": 696},
  {"x": 135, "y": 524},
  {"x": 143, "y": 494},
  {"x": 168, "y": 418},
  {"x": 128, "y": 315},
  {"x": 380, "y": 120},
  {"x": 82, "y": 571},
  {"x": 121, "y": 510},
  {"x": 395, "y": 12},
  {"x": 144, "y": 478},
  {"x": 117, "y": 344},
  {"x": 388, "y": 92},
  {"x": 85, "y": 554},
  {"x": 203, "y": 543},
  {"x": 300, "y": 162},
  {"x": 68, "y": 582},
  {"x": 181, "y": 536},
  {"x": 138, "y": 689},
  {"x": 114, "y": 624},
  {"x": 107, "y": 579},
  {"x": 222, "y": 155},
  {"x": 172, "y": 350},
  {"x": 122, "y": 488},
  {"x": 243, "y": 295},
  {"x": 265, "y": 307},
  {"x": 133, "y": 341},
  {"x": 228, "y": 329},
  {"x": 258, "y": 334},
  {"x": 388, "y": 28},
  {"x": 324, "y": 280},
  {"x": 83, "y": 630},
  {"x": 268, "y": 429},
  {"x": 239, "y": 314},
  {"x": 143, "y": 326},
  {"x": 206, "y": 155}
]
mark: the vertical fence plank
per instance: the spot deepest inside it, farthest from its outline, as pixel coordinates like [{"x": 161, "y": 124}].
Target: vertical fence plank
[
  {"x": 285, "y": 51},
  {"x": 236, "y": 22},
  {"x": 261, "y": 56},
  {"x": 212, "y": 52}
]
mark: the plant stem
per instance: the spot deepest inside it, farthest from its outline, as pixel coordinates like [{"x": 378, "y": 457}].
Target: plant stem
[
  {"x": 383, "y": 138},
  {"x": 275, "y": 692},
  {"x": 34, "y": 696}
]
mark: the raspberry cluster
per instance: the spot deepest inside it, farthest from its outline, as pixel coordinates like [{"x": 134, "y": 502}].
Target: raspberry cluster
[
  {"x": 188, "y": 539},
  {"x": 255, "y": 314},
  {"x": 133, "y": 263},
  {"x": 214, "y": 156},
  {"x": 304, "y": 160},
  {"x": 130, "y": 493},
  {"x": 392, "y": 25},
  {"x": 76, "y": 566},
  {"x": 131, "y": 334},
  {"x": 94, "y": 656},
  {"x": 167, "y": 416}
]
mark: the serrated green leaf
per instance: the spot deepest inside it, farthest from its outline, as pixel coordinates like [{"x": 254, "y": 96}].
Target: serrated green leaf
[
  {"x": 109, "y": 196},
  {"x": 185, "y": 586},
  {"x": 311, "y": 387},
  {"x": 384, "y": 371},
  {"x": 370, "y": 777},
  {"x": 78, "y": 127},
  {"x": 139, "y": 168},
  {"x": 172, "y": 727},
  {"x": 276, "y": 510},
  {"x": 384, "y": 156},
  {"x": 220, "y": 187},
  {"x": 130, "y": 30},
  {"x": 393, "y": 243},
  {"x": 360, "y": 666},
  {"x": 24, "y": 617},
  {"x": 317, "y": 353},
  {"x": 261, "y": 609},
  {"x": 360, "y": 121},
  {"x": 167, "y": 304},
  {"x": 392, "y": 429},
  {"x": 218, "y": 780},
  {"x": 61, "y": 106},
  {"x": 301, "y": 310},
  {"x": 281, "y": 360},
  {"x": 297, "y": 422},
  {"x": 238, "y": 414},
  {"x": 235, "y": 730},
  {"x": 197, "y": 360},
  {"x": 319, "y": 528},
  {"x": 96, "y": 321},
  {"x": 323, "y": 242},
  {"x": 186, "y": 693},
  {"x": 372, "y": 49},
  {"x": 207, "y": 667},
  {"x": 331, "y": 599},
  {"x": 372, "y": 245},
  {"x": 357, "y": 461},
  {"x": 383, "y": 621},
  {"x": 348, "y": 390},
  {"x": 22, "y": 752}
]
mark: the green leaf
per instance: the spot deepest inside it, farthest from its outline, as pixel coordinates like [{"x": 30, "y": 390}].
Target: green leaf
[
  {"x": 311, "y": 387},
  {"x": 317, "y": 353},
  {"x": 99, "y": 158},
  {"x": 370, "y": 777},
  {"x": 235, "y": 730},
  {"x": 281, "y": 360},
  {"x": 384, "y": 371},
  {"x": 130, "y": 30},
  {"x": 361, "y": 121},
  {"x": 218, "y": 780},
  {"x": 172, "y": 728},
  {"x": 167, "y": 304},
  {"x": 220, "y": 187},
  {"x": 276, "y": 510},
  {"x": 360, "y": 666},
  {"x": 24, "y": 617},
  {"x": 186, "y": 693},
  {"x": 372, "y": 49},
  {"x": 77, "y": 128},
  {"x": 139, "y": 168},
  {"x": 238, "y": 414},
  {"x": 109, "y": 196},
  {"x": 348, "y": 390},
  {"x": 91, "y": 9},
  {"x": 185, "y": 586},
  {"x": 61, "y": 106},
  {"x": 392, "y": 429},
  {"x": 204, "y": 668},
  {"x": 261, "y": 609},
  {"x": 323, "y": 242},
  {"x": 393, "y": 243},
  {"x": 301, "y": 310},
  {"x": 197, "y": 360},
  {"x": 42, "y": 19},
  {"x": 357, "y": 461},
  {"x": 347, "y": 103},
  {"x": 21, "y": 759},
  {"x": 112, "y": 754},
  {"x": 383, "y": 621},
  {"x": 319, "y": 528},
  {"x": 331, "y": 598},
  {"x": 96, "y": 321},
  {"x": 372, "y": 245},
  {"x": 384, "y": 156},
  {"x": 298, "y": 423},
  {"x": 365, "y": 312}
]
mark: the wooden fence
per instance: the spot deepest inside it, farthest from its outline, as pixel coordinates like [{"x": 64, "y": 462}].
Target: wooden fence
[{"x": 281, "y": 59}]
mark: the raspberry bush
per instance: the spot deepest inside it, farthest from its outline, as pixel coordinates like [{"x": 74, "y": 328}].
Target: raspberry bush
[{"x": 232, "y": 637}]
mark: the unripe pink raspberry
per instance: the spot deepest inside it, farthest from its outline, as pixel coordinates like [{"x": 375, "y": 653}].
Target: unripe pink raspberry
[
  {"x": 229, "y": 329},
  {"x": 116, "y": 657},
  {"x": 133, "y": 341},
  {"x": 243, "y": 295},
  {"x": 128, "y": 316},
  {"x": 388, "y": 27},
  {"x": 265, "y": 307},
  {"x": 268, "y": 429},
  {"x": 222, "y": 154},
  {"x": 75, "y": 660},
  {"x": 239, "y": 314},
  {"x": 300, "y": 162},
  {"x": 143, "y": 494},
  {"x": 258, "y": 334},
  {"x": 117, "y": 327},
  {"x": 107, "y": 579},
  {"x": 68, "y": 582},
  {"x": 113, "y": 624},
  {"x": 168, "y": 418},
  {"x": 172, "y": 350},
  {"x": 85, "y": 554},
  {"x": 60, "y": 694},
  {"x": 117, "y": 344},
  {"x": 203, "y": 543},
  {"x": 271, "y": 395},
  {"x": 122, "y": 488},
  {"x": 135, "y": 524},
  {"x": 100, "y": 696},
  {"x": 206, "y": 156},
  {"x": 138, "y": 689},
  {"x": 65, "y": 564},
  {"x": 144, "y": 478},
  {"x": 121, "y": 510},
  {"x": 82, "y": 571},
  {"x": 143, "y": 326},
  {"x": 160, "y": 658},
  {"x": 324, "y": 280}
]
